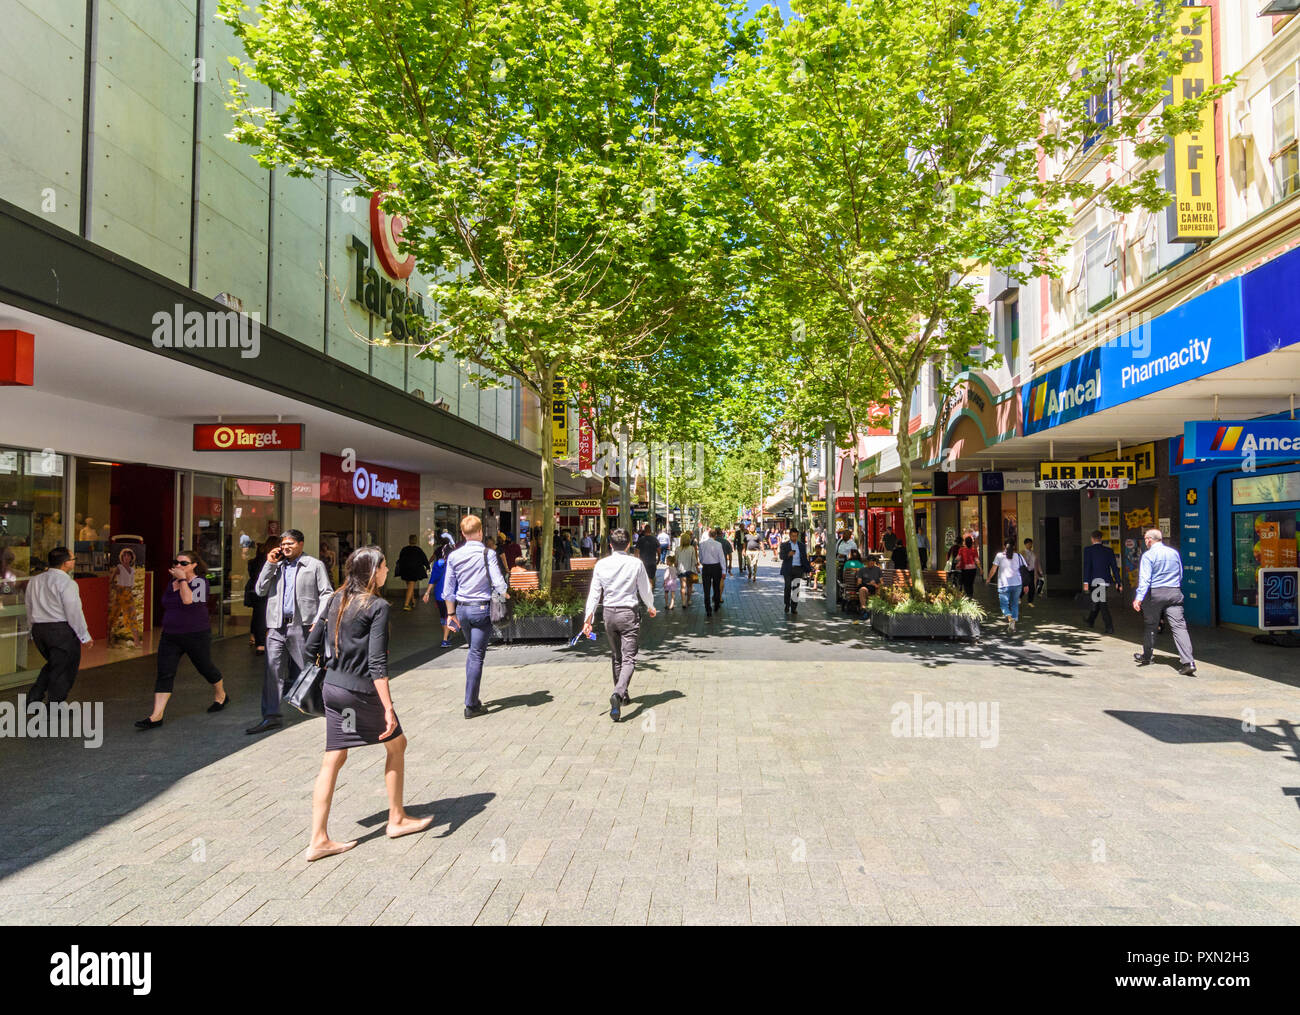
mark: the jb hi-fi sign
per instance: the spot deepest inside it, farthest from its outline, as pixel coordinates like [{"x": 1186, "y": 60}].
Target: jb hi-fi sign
[{"x": 385, "y": 296}]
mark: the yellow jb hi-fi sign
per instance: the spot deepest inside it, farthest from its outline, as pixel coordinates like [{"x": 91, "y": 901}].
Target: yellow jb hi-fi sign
[
  {"x": 560, "y": 419},
  {"x": 1088, "y": 470},
  {"x": 1141, "y": 455},
  {"x": 1190, "y": 163}
]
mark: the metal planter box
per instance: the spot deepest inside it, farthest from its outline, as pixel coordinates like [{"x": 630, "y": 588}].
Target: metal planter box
[
  {"x": 536, "y": 629},
  {"x": 922, "y": 625}
]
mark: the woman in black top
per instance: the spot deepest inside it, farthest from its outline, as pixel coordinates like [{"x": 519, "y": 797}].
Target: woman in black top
[
  {"x": 412, "y": 568},
  {"x": 352, "y": 631}
]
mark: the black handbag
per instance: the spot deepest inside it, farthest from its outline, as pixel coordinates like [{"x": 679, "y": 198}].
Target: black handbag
[{"x": 307, "y": 694}]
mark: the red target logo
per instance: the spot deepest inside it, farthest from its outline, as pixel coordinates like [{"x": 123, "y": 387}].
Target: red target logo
[{"x": 386, "y": 234}]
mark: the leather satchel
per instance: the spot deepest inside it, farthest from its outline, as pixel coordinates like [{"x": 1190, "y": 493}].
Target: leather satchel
[{"x": 307, "y": 694}]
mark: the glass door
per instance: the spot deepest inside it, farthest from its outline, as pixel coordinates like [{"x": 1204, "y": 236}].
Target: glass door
[{"x": 208, "y": 501}]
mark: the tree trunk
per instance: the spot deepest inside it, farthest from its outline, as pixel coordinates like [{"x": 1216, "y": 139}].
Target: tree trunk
[
  {"x": 859, "y": 522},
  {"x": 904, "y": 438},
  {"x": 602, "y": 527},
  {"x": 545, "y": 551}
]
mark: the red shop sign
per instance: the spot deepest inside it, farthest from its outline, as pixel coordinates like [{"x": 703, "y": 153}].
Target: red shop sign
[
  {"x": 248, "y": 436},
  {"x": 369, "y": 486},
  {"x": 507, "y": 493}
]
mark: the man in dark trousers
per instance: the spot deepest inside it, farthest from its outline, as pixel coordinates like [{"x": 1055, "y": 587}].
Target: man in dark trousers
[
  {"x": 1100, "y": 571},
  {"x": 647, "y": 547},
  {"x": 794, "y": 564},
  {"x": 1160, "y": 595},
  {"x": 58, "y": 626},
  {"x": 619, "y": 581}
]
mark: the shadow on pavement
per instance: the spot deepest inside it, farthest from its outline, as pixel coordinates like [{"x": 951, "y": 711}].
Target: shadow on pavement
[{"x": 450, "y": 811}]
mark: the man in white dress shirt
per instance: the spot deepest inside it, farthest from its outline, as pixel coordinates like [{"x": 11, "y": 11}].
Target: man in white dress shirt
[
  {"x": 58, "y": 626},
  {"x": 712, "y": 561},
  {"x": 620, "y": 580}
]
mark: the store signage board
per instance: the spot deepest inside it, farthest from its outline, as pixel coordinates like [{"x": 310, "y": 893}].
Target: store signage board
[
  {"x": 577, "y": 502},
  {"x": 817, "y": 505},
  {"x": 560, "y": 418},
  {"x": 1279, "y": 598},
  {"x": 1087, "y": 470},
  {"x": 1141, "y": 455},
  {"x": 1119, "y": 483},
  {"x": 368, "y": 485},
  {"x": 1233, "y": 440},
  {"x": 507, "y": 493},
  {"x": 1191, "y": 157},
  {"x": 248, "y": 436},
  {"x": 1201, "y": 336}
]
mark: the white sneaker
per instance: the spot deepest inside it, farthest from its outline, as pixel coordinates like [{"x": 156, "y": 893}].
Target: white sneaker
[{"x": 1012, "y": 622}]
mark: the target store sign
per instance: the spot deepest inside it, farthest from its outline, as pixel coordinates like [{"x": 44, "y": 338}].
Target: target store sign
[
  {"x": 248, "y": 436},
  {"x": 507, "y": 493},
  {"x": 368, "y": 485}
]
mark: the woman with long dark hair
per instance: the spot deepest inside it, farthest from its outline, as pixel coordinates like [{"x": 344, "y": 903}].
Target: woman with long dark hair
[{"x": 352, "y": 632}]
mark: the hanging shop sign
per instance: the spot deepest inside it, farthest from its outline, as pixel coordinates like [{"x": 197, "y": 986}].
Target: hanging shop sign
[
  {"x": 368, "y": 485},
  {"x": 507, "y": 493},
  {"x": 1191, "y": 158},
  {"x": 1218, "y": 439},
  {"x": 1279, "y": 598},
  {"x": 1006, "y": 482},
  {"x": 816, "y": 505},
  {"x": 884, "y": 499},
  {"x": 577, "y": 502},
  {"x": 1115, "y": 483},
  {"x": 1141, "y": 455},
  {"x": 248, "y": 436},
  {"x": 559, "y": 418},
  {"x": 1087, "y": 470}
]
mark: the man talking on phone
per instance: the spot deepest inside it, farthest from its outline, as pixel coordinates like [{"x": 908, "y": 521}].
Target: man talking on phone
[{"x": 296, "y": 585}]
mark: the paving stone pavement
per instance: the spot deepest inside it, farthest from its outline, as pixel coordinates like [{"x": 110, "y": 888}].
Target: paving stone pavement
[{"x": 758, "y": 777}]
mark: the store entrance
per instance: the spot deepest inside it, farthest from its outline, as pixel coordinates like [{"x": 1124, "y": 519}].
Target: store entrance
[{"x": 344, "y": 527}]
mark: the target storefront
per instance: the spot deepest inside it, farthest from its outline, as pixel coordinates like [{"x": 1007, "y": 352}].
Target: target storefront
[{"x": 364, "y": 504}]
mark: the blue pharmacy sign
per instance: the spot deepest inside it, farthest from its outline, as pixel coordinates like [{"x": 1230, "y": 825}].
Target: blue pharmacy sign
[{"x": 1232, "y": 440}]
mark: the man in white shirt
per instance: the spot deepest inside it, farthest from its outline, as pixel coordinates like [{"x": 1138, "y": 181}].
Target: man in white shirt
[
  {"x": 712, "y": 561},
  {"x": 58, "y": 626},
  {"x": 620, "y": 580}
]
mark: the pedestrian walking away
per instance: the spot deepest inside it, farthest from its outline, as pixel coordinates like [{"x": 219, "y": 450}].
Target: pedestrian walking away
[
  {"x": 473, "y": 575},
  {"x": 794, "y": 564},
  {"x": 437, "y": 585},
  {"x": 711, "y": 565},
  {"x": 58, "y": 626},
  {"x": 1006, "y": 566},
  {"x": 968, "y": 562},
  {"x": 412, "y": 568},
  {"x": 672, "y": 582},
  {"x": 1160, "y": 595},
  {"x": 352, "y": 635},
  {"x": 186, "y": 630},
  {"x": 1100, "y": 573},
  {"x": 688, "y": 568},
  {"x": 295, "y": 584},
  {"x": 619, "y": 581},
  {"x": 648, "y": 548},
  {"x": 663, "y": 539}
]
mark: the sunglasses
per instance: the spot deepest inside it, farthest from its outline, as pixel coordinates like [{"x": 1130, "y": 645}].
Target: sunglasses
[{"x": 182, "y": 563}]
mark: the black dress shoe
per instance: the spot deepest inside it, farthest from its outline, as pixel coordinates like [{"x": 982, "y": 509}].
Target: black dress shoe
[
  {"x": 614, "y": 705},
  {"x": 626, "y": 700},
  {"x": 271, "y": 722},
  {"x": 1189, "y": 670},
  {"x": 147, "y": 724},
  {"x": 475, "y": 710},
  {"x": 1140, "y": 660},
  {"x": 217, "y": 706}
]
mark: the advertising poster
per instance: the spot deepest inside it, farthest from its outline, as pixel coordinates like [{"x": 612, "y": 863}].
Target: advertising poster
[
  {"x": 126, "y": 600},
  {"x": 1260, "y": 539}
]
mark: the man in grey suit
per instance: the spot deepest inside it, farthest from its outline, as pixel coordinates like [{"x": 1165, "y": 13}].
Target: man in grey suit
[{"x": 296, "y": 586}]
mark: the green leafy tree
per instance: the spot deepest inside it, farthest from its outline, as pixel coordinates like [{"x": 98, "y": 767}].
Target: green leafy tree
[{"x": 864, "y": 138}]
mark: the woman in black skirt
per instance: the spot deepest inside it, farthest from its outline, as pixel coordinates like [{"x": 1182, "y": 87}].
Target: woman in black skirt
[{"x": 352, "y": 631}]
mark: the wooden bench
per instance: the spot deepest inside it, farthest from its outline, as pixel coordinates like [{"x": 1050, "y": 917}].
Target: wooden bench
[
  {"x": 576, "y": 580},
  {"x": 901, "y": 578}
]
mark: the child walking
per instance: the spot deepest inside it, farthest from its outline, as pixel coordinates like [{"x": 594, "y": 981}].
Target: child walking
[{"x": 671, "y": 582}]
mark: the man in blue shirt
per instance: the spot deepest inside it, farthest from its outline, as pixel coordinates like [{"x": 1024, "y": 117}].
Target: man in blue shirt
[
  {"x": 1100, "y": 570},
  {"x": 1160, "y": 592},
  {"x": 473, "y": 574}
]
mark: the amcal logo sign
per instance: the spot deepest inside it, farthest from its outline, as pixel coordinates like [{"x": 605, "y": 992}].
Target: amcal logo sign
[
  {"x": 401, "y": 309},
  {"x": 1051, "y": 400}
]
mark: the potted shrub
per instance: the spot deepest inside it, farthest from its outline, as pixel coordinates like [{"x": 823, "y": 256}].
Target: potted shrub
[
  {"x": 943, "y": 613},
  {"x": 543, "y": 615}
]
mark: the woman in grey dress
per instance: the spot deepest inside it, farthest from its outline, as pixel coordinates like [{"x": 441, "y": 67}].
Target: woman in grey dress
[{"x": 352, "y": 632}]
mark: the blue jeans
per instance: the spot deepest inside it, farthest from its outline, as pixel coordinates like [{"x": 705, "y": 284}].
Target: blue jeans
[
  {"x": 476, "y": 623},
  {"x": 1009, "y": 600}
]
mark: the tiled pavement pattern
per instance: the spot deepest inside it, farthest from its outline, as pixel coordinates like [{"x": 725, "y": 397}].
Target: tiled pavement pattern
[{"x": 755, "y": 779}]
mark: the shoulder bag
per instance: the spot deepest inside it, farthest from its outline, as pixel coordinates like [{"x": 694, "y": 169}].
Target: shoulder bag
[{"x": 499, "y": 609}]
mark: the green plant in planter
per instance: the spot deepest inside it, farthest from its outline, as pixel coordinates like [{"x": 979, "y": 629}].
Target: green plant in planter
[
  {"x": 937, "y": 602},
  {"x": 545, "y": 603}
]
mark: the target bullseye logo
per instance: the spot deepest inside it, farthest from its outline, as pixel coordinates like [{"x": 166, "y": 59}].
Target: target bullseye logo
[
  {"x": 386, "y": 232},
  {"x": 496, "y": 495},
  {"x": 361, "y": 484},
  {"x": 223, "y": 437}
]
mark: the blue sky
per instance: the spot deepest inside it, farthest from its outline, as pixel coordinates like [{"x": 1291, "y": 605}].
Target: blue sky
[{"x": 782, "y": 5}]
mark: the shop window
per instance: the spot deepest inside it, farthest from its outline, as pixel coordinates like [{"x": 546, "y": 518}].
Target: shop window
[
  {"x": 1260, "y": 539},
  {"x": 1100, "y": 258},
  {"x": 31, "y": 525},
  {"x": 1285, "y": 159}
]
